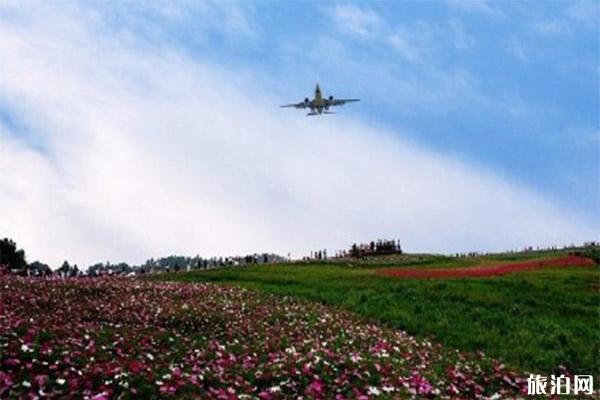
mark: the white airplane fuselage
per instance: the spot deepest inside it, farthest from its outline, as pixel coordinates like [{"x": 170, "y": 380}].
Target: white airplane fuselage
[{"x": 317, "y": 105}]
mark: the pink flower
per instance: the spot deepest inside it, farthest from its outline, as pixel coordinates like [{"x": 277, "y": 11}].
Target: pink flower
[
  {"x": 316, "y": 388},
  {"x": 421, "y": 384},
  {"x": 136, "y": 366},
  {"x": 170, "y": 389},
  {"x": 306, "y": 368},
  {"x": 12, "y": 362},
  {"x": 5, "y": 381},
  {"x": 41, "y": 380}
]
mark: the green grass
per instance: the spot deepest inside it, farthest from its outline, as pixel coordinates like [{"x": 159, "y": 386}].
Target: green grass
[{"x": 535, "y": 320}]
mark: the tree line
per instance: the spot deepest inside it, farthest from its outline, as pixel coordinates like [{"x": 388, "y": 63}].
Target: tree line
[{"x": 14, "y": 260}]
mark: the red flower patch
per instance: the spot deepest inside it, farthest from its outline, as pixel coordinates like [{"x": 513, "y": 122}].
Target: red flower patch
[{"x": 482, "y": 272}]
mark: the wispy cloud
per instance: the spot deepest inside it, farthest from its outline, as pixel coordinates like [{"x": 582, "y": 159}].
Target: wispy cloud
[
  {"x": 356, "y": 20},
  {"x": 415, "y": 41},
  {"x": 483, "y": 7},
  {"x": 150, "y": 151},
  {"x": 517, "y": 49},
  {"x": 576, "y": 15},
  {"x": 551, "y": 27},
  {"x": 584, "y": 12},
  {"x": 462, "y": 40}
]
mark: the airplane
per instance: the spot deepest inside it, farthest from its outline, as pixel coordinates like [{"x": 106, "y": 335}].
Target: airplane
[{"x": 320, "y": 105}]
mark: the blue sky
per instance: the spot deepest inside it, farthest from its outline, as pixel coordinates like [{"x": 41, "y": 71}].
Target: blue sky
[
  {"x": 497, "y": 99},
  {"x": 511, "y": 86}
]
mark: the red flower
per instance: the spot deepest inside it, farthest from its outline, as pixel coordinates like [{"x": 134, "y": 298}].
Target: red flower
[{"x": 136, "y": 367}]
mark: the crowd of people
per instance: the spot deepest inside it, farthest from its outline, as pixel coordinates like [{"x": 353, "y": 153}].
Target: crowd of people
[
  {"x": 375, "y": 247},
  {"x": 319, "y": 255},
  {"x": 526, "y": 249},
  {"x": 189, "y": 263}
]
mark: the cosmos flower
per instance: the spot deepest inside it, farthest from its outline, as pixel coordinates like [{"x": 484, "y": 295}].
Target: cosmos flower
[{"x": 117, "y": 337}]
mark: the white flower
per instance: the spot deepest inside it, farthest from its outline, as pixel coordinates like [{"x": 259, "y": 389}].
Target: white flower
[
  {"x": 274, "y": 389},
  {"x": 387, "y": 388},
  {"x": 60, "y": 381},
  {"x": 374, "y": 391},
  {"x": 26, "y": 384},
  {"x": 25, "y": 348},
  {"x": 150, "y": 357},
  {"x": 159, "y": 383},
  {"x": 383, "y": 354}
]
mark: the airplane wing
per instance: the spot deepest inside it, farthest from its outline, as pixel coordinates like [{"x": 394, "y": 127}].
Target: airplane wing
[
  {"x": 341, "y": 102},
  {"x": 296, "y": 105}
]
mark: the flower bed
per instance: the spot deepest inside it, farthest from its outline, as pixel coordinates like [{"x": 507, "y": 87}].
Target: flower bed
[
  {"x": 130, "y": 338},
  {"x": 478, "y": 272}
]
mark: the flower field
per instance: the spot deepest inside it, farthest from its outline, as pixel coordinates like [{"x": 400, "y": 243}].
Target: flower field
[{"x": 125, "y": 338}]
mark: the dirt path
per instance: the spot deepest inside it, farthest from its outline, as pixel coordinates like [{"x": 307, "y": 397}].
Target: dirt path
[{"x": 485, "y": 271}]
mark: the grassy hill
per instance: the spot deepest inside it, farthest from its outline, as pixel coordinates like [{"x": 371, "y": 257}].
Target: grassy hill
[{"x": 534, "y": 320}]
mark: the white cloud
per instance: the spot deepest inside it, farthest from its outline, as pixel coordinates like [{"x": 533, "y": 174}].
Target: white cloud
[
  {"x": 551, "y": 27},
  {"x": 462, "y": 40},
  {"x": 355, "y": 20},
  {"x": 402, "y": 43},
  {"x": 584, "y": 136},
  {"x": 578, "y": 14},
  {"x": 415, "y": 42},
  {"x": 517, "y": 49},
  {"x": 483, "y": 7},
  {"x": 149, "y": 152},
  {"x": 584, "y": 12}
]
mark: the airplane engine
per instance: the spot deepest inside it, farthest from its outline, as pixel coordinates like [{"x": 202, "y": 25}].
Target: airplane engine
[
  {"x": 306, "y": 101},
  {"x": 329, "y": 104}
]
